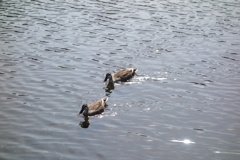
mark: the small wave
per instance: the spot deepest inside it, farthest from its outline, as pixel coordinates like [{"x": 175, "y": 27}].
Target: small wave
[
  {"x": 111, "y": 114},
  {"x": 133, "y": 82},
  {"x": 146, "y": 78}
]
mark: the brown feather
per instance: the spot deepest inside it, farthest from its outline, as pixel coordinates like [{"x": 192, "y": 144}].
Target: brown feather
[
  {"x": 124, "y": 75},
  {"x": 96, "y": 107}
]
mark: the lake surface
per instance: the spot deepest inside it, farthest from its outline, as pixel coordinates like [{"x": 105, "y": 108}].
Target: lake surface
[{"x": 183, "y": 104}]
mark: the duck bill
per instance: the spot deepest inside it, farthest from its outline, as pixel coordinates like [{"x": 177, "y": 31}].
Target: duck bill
[{"x": 105, "y": 80}]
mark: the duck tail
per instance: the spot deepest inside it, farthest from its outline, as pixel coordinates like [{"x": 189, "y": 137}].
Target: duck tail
[
  {"x": 105, "y": 99},
  {"x": 134, "y": 70}
]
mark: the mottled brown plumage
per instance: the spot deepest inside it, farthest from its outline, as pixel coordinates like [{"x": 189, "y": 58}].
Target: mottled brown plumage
[
  {"x": 120, "y": 76},
  {"x": 96, "y": 107}
]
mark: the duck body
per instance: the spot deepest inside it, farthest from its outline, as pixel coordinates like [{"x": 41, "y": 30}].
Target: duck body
[
  {"x": 120, "y": 76},
  {"x": 94, "y": 108}
]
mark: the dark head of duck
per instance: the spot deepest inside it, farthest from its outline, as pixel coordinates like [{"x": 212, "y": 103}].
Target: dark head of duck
[
  {"x": 108, "y": 76},
  {"x": 84, "y": 107}
]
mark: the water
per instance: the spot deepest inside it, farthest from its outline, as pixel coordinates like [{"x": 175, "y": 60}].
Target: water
[{"x": 183, "y": 104}]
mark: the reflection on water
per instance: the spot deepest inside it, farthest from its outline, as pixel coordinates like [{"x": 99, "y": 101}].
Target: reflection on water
[
  {"x": 185, "y": 141},
  {"x": 183, "y": 104},
  {"x": 108, "y": 89},
  {"x": 85, "y": 123}
]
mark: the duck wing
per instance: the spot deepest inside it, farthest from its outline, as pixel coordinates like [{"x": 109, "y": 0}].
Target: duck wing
[
  {"x": 124, "y": 75},
  {"x": 97, "y": 107}
]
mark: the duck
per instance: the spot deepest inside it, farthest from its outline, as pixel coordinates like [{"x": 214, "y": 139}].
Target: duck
[
  {"x": 94, "y": 108},
  {"x": 120, "y": 76}
]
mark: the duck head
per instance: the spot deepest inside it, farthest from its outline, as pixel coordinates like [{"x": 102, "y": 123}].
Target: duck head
[
  {"x": 84, "y": 108},
  {"x": 108, "y": 76}
]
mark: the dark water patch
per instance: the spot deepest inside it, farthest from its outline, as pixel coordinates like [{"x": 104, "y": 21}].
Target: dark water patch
[
  {"x": 230, "y": 58},
  {"x": 199, "y": 129},
  {"x": 197, "y": 83}
]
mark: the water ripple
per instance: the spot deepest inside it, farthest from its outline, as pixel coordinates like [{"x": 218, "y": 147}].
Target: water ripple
[{"x": 185, "y": 98}]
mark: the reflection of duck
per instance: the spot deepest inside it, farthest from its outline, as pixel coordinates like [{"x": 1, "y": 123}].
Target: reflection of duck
[
  {"x": 120, "y": 76},
  {"x": 85, "y": 123},
  {"x": 94, "y": 108},
  {"x": 109, "y": 87}
]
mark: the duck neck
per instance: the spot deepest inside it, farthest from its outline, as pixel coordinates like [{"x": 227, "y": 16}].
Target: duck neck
[
  {"x": 85, "y": 112},
  {"x": 111, "y": 80}
]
